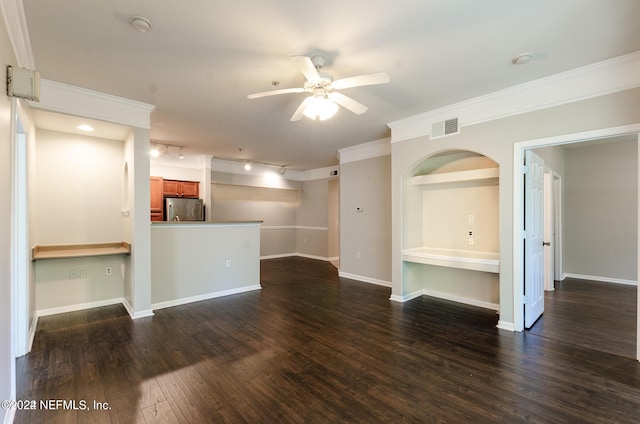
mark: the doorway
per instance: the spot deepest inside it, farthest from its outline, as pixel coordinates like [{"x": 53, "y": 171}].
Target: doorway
[{"x": 519, "y": 151}]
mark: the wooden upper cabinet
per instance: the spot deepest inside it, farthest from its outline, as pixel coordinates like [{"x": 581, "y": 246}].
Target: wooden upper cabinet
[
  {"x": 190, "y": 189},
  {"x": 157, "y": 200},
  {"x": 175, "y": 188}
]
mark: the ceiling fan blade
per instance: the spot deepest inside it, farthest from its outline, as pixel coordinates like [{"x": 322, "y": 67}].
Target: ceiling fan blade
[
  {"x": 306, "y": 67},
  {"x": 348, "y": 103},
  {"x": 299, "y": 113},
  {"x": 369, "y": 79},
  {"x": 275, "y": 92}
]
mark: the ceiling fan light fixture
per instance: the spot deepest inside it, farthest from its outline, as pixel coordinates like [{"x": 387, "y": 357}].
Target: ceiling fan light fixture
[{"x": 320, "y": 107}]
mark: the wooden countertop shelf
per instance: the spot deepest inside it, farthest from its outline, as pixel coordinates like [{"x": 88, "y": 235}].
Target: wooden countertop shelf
[{"x": 80, "y": 250}]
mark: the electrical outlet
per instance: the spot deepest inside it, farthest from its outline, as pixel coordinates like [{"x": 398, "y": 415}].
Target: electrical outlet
[
  {"x": 83, "y": 273},
  {"x": 471, "y": 218},
  {"x": 228, "y": 263},
  {"x": 73, "y": 273},
  {"x": 108, "y": 271},
  {"x": 471, "y": 242}
]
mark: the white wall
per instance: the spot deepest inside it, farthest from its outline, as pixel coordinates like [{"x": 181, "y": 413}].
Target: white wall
[
  {"x": 199, "y": 261},
  {"x": 79, "y": 189},
  {"x": 600, "y": 196},
  {"x": 79, "y": 195},
  {"x": 365, "y": 237}
]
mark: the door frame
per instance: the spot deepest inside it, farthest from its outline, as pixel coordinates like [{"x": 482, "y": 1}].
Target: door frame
[{"x": 518, "y": 209}]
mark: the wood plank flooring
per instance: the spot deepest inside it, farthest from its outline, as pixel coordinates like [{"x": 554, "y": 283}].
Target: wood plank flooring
[
  {"x": 591, "y": 314},
  {"x": 314, "y": 348}
]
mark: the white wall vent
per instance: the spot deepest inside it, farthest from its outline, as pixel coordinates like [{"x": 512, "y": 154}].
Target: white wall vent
[{"x": 444, "y": 128}]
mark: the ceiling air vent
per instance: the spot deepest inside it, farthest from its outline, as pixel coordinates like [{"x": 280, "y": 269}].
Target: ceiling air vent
[{"x": 444, "y": 128}]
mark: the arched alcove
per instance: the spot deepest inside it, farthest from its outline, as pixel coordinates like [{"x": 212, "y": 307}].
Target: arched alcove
[{"x": 450, "y": 243}]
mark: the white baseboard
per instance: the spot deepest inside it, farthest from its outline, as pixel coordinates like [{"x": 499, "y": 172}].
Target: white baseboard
[
  {"x": 602, "y": 279},
  {"x": 198, "y": 298},
  {"x": 364, "y": 279},
  {"x": 78, "y": 307},
  {"x": 506, "y": 325},
  {"x": 406, "y": 297},
  {"x": 136, "y": 314},
  {"x": 302, "y": 255}
]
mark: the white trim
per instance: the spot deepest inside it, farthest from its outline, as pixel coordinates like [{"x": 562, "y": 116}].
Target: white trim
[
  {"x": 518, "y": 201},
  {"x": 602, "y": 279},
  {"x": 461, "y": 299},
  {"x": 78, "y": 307},
  {"x": 609, "y": 76},
  {"x": 364, "y": 279},
  {"x": 201, "y": 297},
  {"x": 67, "y": 99},
  {"x": 406, "y": 297},
  {"x": 505, "y": 325},
  {"x": 320, "y": 258},
  {"x": 136, "y": 314},
  {"x": 16, "y": 23},
  {"x": 370, "y": 150},
  {"x": 301, "y": 255}
]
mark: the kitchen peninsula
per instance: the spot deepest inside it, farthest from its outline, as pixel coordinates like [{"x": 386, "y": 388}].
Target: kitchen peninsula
[{"x": 193, "y": 261}]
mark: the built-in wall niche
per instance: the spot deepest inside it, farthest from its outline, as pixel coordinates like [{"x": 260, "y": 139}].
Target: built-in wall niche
[{"x": 451, "y": 212}]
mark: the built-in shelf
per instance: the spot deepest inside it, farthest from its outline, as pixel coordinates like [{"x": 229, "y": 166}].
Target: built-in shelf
[
  {"x": 474, "y": 176},
  {"x": 464, "y": 259},
  {"x": 80, "y": 250}
]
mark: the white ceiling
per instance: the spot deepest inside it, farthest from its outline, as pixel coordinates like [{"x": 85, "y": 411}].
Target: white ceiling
[{"x": 202, "y": 57}]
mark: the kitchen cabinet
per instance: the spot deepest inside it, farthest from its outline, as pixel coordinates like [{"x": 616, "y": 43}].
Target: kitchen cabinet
[
  {"x": 175, "y": 188},
  {"x": 157, "y": 202}
]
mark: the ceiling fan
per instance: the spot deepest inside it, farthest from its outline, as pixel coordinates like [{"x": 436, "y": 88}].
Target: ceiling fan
[{"x": 323, "y": 102}]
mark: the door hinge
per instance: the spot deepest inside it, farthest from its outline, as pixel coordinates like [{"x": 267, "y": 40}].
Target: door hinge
[
  {"x": 525, "y": 299},
  {"x": 524, "y": 234},
  {"x": 525, "y": 169}
]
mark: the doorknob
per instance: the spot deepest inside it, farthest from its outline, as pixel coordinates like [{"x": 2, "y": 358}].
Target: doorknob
[{"x": 546, "y": 243}]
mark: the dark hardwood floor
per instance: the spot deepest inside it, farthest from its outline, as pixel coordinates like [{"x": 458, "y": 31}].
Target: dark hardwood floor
[
  {"x": 313, "y": 348},
  {"x": 591, "y": 314}
]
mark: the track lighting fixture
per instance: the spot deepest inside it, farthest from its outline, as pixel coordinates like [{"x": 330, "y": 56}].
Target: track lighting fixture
[{"x": 166, "y": 152}]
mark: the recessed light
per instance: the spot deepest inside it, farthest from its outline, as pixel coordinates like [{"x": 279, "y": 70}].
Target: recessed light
[
  {"x": 85, "y": 127},
  {"x": 521, "y": 59}
]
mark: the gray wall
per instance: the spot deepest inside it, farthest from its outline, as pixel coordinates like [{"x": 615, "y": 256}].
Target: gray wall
[
  {"x": 601, "y": 207},
  {"x": 6, "y": 359},
  {"x": 365, "y": 237}
]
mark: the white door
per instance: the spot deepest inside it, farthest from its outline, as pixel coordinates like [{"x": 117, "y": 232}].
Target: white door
[{"x": 534, "y": 238}]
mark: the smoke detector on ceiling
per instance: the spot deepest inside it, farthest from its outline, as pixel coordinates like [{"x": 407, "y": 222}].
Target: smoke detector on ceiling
[{"x": 140, "y": 23}]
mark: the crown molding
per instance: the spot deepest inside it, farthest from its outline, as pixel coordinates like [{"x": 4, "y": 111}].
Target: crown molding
[
  {"x": 71, "y": 100},
  {"x": 598, "y": 79},
  {"x": 370, "y": 150},
  {"x": 16, "y": 23}
]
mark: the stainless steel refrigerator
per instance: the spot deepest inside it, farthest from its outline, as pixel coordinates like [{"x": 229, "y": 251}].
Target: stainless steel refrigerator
[{"x": 177, "y": 209}]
